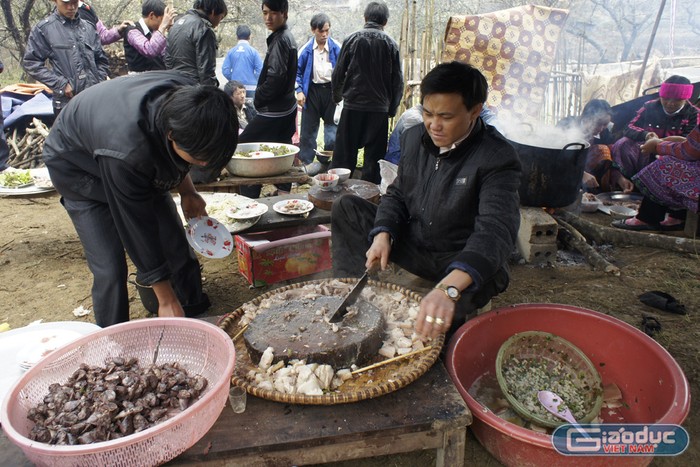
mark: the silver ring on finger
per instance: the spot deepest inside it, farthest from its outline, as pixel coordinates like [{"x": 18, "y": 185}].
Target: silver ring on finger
[
  {"x": 439, "y": 321},
  {"x": 429, "y": 319}
]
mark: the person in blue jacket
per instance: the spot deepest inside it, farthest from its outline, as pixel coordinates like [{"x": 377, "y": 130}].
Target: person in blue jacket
[
  {"x": 243, "y": 62},
  {"x": 317, "y": 58}
]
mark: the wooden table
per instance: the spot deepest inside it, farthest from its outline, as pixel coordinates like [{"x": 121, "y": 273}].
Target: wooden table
[
  {"x": 324, "y": 199},
  {"x": 233, "y": 183},
  {"x": 427, "y": 414}
]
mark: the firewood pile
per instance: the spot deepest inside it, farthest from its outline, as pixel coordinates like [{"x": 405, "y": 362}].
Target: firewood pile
[{"x": 25, "y": 150}]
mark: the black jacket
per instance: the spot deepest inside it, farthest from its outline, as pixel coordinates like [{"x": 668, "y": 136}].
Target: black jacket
[
  {"x": 72, "y": 48},
  {"x": 274, "y": 95},
  {"x": 120, "y": 156},
  {"x": 192, "y": 48},
  {"x": 464, "y": 202},
  {"x": 134, "y": 59},
  {"x": 368, "y": 74}
]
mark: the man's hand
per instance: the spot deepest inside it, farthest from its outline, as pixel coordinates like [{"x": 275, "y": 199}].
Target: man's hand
[
  {"x": 68, "y": 91},
  {"x": 168, "y": 304},
  {"x": 651, "y": 135},
  {"x": 168, "y": 19},
  {"x": 379, "y": 250},
  {"x": 435, "y": 315},
  {"x": 301, "y": 99},
  {"x": 123, "y": 25},
  {"x": 649, "y": 146},
  {"x": 626, "y": 185},
  {"x": 193, "y": 205}
]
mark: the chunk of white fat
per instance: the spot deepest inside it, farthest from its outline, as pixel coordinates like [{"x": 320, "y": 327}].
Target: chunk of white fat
[{"x": 266, "y": 359}]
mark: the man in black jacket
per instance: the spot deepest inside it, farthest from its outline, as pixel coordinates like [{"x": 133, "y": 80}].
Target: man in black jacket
[
  {"x": 191, "y": 48},
  {"x": 452, "y": 214},
  {"x": 274, "y": 101},
  {"x": 65, "y": 54},
  {"x": 368, "y": 79},
  {"x": 114, "y": 171}
]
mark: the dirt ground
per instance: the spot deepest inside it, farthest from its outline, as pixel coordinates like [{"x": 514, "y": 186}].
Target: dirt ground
[{"x": 43, "y": 275}]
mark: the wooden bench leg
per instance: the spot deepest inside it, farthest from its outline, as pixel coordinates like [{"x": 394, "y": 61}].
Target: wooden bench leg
[{"x": 452, "y": 451}]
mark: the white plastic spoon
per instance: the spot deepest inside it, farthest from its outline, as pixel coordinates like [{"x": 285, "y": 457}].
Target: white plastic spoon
[{"x": 556, "y": 406}]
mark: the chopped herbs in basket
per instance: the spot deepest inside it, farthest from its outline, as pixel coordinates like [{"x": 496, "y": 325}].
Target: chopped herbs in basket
[{"x": 525, "y": 376}]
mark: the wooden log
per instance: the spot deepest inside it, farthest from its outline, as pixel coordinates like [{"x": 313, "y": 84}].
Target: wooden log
[
  {"x": 574, "y": 239},
  {"x": 616, "y": 236}
]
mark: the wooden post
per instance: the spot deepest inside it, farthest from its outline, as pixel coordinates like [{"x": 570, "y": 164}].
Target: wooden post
[{"x": 651, "y": 42}]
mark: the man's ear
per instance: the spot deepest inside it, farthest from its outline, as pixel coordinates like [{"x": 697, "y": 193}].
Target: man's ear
[{"x": 476, "y": 110}]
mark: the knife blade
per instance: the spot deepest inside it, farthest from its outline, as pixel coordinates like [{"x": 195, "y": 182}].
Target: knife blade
[{"x": 351, "y": 298}]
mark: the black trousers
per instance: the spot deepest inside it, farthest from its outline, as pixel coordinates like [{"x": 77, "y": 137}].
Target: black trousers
[
  {"x": 358, "y": 129},
  {"x": 268, "y": 129},
  {"x": 653, "y": 213},
  {"x": 319, "y": 105},
  {"x": 352, "y": 218}
]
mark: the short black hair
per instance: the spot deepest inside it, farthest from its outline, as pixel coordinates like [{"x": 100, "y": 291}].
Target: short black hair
[
  {"x": 155, "y": 6},
  {"x": 231, "y": 86},
  {"x": 456, "y": 78},
  {"x": 277, "y": 5},
  {"x": 209, "y": 7},
  {"x": 377, "y": 12},
  {"x": 319, "y": 20},
  {"x": 243, "y": 32},
  {"x": 677, "y": 79},
  {"x": 596, "y": 108},
  {"x": 202, "y": 121}
]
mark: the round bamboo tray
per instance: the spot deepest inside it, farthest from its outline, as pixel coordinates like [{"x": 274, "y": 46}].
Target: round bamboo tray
[{"x": 366, "y": 385}]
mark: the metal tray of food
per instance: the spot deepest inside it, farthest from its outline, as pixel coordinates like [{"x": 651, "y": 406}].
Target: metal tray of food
[{"x": 618, "y": 197}]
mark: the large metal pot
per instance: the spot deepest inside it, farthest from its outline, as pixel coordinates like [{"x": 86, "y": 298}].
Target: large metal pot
[
  {"x": 551, "y": 177},
  {"x": 264, "y": 166}
]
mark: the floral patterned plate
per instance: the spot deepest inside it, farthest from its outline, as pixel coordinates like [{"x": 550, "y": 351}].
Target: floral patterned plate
[{"x": 209, "y": 237}]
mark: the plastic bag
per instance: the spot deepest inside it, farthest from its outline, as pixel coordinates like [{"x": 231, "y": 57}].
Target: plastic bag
[
  {"x": 388, "y": 171},
  {"x": 338, "y": 111}
]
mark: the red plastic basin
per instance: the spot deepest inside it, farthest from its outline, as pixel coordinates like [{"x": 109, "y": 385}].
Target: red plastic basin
[{"x": 652, "y": 384}]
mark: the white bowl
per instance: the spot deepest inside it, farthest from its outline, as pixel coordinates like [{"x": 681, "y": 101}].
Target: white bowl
[
  {"x": 343, "y": 174},
  {"x": 326, "y": 181}
]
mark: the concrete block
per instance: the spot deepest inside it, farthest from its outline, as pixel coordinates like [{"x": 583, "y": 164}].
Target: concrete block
[
  {"x": 536, "y": 226},
  {"x": 537, "y": 253}
]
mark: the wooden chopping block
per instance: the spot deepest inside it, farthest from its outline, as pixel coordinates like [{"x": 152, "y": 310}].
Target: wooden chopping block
[{"x": 363, "y": 189}]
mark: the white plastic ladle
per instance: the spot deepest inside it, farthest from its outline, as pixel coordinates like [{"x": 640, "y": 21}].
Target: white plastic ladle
[{"x": 556, "y": 406}]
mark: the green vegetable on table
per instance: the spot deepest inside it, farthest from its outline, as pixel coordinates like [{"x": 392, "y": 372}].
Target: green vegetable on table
[{"x": 15, "y": 179}]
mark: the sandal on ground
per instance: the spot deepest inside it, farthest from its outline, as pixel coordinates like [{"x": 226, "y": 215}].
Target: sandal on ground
[
  {"x": 662, "y": 301},
  {"x": 650, "y": 325},
  {"x": 633, "y": 223},
  {"x": 668, "y": 227}
]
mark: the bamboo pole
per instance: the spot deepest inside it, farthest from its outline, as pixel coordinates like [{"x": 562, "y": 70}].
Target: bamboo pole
[
  {"x": 651, "y": 43},
  {"x": 391, "y": 360}
]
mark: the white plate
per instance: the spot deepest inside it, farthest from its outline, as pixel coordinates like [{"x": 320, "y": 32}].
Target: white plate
[
  {"x": 41, "y": 184},
  {"x": 218, "y": 204},
  {"x": 617, "y": 211},
  {"x": 43, "y": 344},
  {"x": 209, "y": 237},
  {"x": 11, "y": 342},
  {"x": 247, "y": 211},
  {"x": 293, "y": 207}
]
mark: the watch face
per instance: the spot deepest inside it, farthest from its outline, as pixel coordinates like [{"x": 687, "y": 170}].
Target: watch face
[{"x": 452, "y": 292}]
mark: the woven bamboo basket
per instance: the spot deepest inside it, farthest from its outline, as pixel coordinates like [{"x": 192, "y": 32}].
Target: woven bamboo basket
[{"x": 367, "y": 385}]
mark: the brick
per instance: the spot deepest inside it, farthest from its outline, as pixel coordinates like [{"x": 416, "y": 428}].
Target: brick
[
  {"x": 536, "y": 226},
  {"x": 537, "y": 253}
]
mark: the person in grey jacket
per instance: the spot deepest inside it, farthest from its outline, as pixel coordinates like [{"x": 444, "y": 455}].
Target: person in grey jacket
[
  {"x": 114, "y": 171},
  {"x": 368, "y": 79},
  {"x": 72, "y": 48},
  {"x": 452, "y": 214},
  {"x": 191, "y": 48}
]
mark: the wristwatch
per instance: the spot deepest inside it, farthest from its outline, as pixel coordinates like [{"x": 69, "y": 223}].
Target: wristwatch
[{"x": 451, "y": 291}]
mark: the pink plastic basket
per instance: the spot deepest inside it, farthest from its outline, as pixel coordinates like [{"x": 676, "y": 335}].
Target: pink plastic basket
[{"x": 200, "y": 347}]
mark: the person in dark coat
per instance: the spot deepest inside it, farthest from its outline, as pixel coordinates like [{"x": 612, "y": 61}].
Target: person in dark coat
[
  {"x": 191, "y": 46},
  {"x": 451, "y": 215},
  {"x": 237, "y": 92},
  {"x": 115, "y": 170},
  {"x": 71, "y": 47},
  {"x": 4, "y": 148},
  {"x": 144, "y": 42},
  {"x": 274, "y": 98},
  {"x": 368, "y": 79}
]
